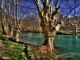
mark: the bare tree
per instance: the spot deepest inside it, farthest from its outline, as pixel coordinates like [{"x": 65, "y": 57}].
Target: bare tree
[
  {"x": 1, "y": 17},
  {"x": 15, "y": 28},
  {"x": 75, "y": 20},
  {"x": 46, "y": 14},
  {"x": 12, "y": 24}
]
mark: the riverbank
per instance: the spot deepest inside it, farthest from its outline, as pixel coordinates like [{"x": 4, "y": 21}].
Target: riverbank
[
  {"x": 68, "y": 33},
  {"x": 21, "y": 51},
  {"x": 59, "y": 32}
]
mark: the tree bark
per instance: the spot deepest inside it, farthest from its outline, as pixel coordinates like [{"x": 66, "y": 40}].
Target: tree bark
[
  {"x": 49, "y": 36},
  {"x": 46, "y": 15},
  {"x": 49, "y": 39},
  {"x": 1, "y": 19},
  {"x": 15, "y": 35},
  {"x": 16, "y": 28},
  {"x": 3, "y": 31}
]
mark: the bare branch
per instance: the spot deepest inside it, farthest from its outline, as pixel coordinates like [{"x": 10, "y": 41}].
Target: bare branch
[
  {"x": 50, "y": 6},
  {"x": 38, "y": 5},
  {"x": 71, "y": 23},
  {"x": 51, "y": 1},
  {"x": 26, "y": 7},
  {"x": 55, "y": 11},
  {"x": 71, "y": 11},
  {"x": 56, "y": 5},
  {"x": 4, "y": 13},
  {"x": 47, "y": 2}
]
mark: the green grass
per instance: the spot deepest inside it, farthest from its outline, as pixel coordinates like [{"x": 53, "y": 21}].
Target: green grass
[{"x": 14, "y": 50}]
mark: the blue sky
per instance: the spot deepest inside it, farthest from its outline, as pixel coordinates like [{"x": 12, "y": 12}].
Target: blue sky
[{"x": 65, "y": 7}]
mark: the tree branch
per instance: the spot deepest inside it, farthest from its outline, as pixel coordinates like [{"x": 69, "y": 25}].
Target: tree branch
[
  {"x": 56, "y": 5},
  {"x": 70, "y": 11},
  {"x": 50, "y": 6},
  {"x": 71, "y": 23},
  {"x": 55, "y": 11},
  {"x": 38, "y": 5},
  {"x": 26, "y": 7},
  {"x": 51, "y": 1},
  {"x": 47, "y": 2}
]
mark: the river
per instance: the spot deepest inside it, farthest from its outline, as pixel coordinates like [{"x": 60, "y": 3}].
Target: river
[{"x": 68, "y": 42}]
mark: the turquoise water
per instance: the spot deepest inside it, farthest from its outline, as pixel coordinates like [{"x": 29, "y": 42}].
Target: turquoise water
[
  {"x": 32, "y": 38},
  {"x": 69, "y": 42}
]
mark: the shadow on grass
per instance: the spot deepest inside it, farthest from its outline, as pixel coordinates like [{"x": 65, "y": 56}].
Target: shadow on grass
[{"x": 26, "y": 53}]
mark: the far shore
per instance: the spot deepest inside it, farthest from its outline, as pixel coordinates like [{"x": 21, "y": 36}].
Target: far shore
[{"x": 60, "y": 32}]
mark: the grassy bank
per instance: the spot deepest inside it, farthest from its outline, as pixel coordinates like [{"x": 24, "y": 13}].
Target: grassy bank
[{"x": 13, "y": 51}]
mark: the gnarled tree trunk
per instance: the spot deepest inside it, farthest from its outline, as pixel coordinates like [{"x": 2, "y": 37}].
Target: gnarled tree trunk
[
  {"x": 46, "y": 14},
  {"x": 49, "y": 35},
  {"x": 14, "y": 35}
]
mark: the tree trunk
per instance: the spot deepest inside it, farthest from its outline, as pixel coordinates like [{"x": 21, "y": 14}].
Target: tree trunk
[
  {"x": 49, "y": 39},
  {"x": 49, "y": 35},
  {"x": 15, "y": 34},
  {"x": 1, "y": 19},
  {"x": 46, "y": 15},
  {"x": 3, "y": 31}
]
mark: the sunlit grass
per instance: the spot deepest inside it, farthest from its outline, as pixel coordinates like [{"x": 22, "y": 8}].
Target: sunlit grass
[{"x": 13, "y": 50}]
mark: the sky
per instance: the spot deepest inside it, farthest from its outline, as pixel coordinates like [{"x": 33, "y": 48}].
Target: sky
[{"x": 65, "y": 7}]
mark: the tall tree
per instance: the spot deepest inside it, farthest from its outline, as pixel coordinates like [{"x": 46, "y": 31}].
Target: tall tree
[
  {"x": 46, "y": 14},
  {"x": 17, "y": 27},
  {"x": 12, "y": 24},
  {"x": 1, "y": 17}
]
